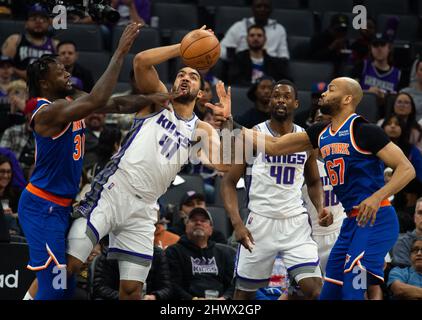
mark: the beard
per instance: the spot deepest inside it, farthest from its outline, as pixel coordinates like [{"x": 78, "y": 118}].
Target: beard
[
  {"x": 185, "y": 98},
  {"x": 330, "y": 107},
  {"x": 37, "y": 34},
  {"x": 279, "y": 117}
]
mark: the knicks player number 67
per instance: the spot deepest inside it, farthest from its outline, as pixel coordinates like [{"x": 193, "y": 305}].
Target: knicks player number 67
[{"x": 335, "y": 178}]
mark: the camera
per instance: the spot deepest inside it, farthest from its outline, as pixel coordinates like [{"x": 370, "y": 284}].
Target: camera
[{"x": 100, "y": 10}]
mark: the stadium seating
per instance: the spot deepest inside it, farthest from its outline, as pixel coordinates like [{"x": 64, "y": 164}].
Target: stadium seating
[
  {"x": 148, "y": 38},
  {"x": 162, "y": 69},
  {"x": 376, "y": 7},
  {"x": 218, "y": 3},
  {"x": 86, "y": 37},
  {"x": 221, "y": 220},
  {"x": 240, "y": 101},
  {"x": 407, "y": 29},
  {"x": 299, "y": 47},
  {"x": 8, "y": 27},
  {"x": 287, "y": 4},
  {"x": 175, "y": 16},
  {"x": 307, "y": 73},
  {"x": 330, "y": 5},
  {"x": 368, "y": 107},
  {"x": 296, "y": 22},
  {"x": 175, "y": 193},
  {"x": 326, "y": 19},
  {"x": 96, "y": 62},
  {"x": 226, "y": 16}
]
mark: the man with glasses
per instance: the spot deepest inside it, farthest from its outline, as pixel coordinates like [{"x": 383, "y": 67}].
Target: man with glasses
[
  {"x": 33, "y": 43},
  {"x": 406, "y": 283}
]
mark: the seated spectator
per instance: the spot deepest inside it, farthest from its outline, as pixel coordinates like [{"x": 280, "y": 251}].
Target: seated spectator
[
  {"x": 405, "y": 204},
  {"x": 81, "y": 78},
  {"x": 416, "y": 89},
  {"x": 106, "y": 278},
  {"x": 332, "y": 44},
  {"x": 9, "y": 196},
  {"x": 162, "y": 237},
  {"x": 95, "y": 125},
  {"x": 235, "y": 37},
  {"x": 260, "y": 94},
  {"x": 21, "y": 141},
  {"x": 253, "y": 63},
  {"x": 200, "y": 108},
  {"x": 360, "y": 47},
  {"x": 377, "y": 74},
  {"x": 33, "y": 43},
  {"x": 198, "y": 264},
  {"x": 132, "y": 11},
  {"x": 400, "y": 252},
  {"x": 396, "y": 131},
  {"x": 189, "y": 201},
  {"x": 18, "y": 179},
  {"x": 406, "y": 283},
  {"x": 405, "y": 109},
  {"x": 12, "y": 99}
]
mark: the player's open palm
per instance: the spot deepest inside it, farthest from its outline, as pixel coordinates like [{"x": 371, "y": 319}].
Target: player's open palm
[
  {"x": 244, "y": 236},
  {"x": 223, "y": 109},
  {"x": 128, "y": 37}
]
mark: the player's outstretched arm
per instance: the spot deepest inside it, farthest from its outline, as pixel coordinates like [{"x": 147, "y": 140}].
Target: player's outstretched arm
[
  {"x": 275, "y": 146},
  {"x": 229, "y": 195},
  {"x": 51, "y": 119},
  {"x": 404, "y": 172}
]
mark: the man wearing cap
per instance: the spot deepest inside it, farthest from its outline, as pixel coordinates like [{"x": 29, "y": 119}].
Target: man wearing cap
[
  {"x": 33, "y": 43},
  {"x": 259, "y": 93},
  {"x": 331, "y": 44},
  {"x": 198, "y": 264},
  {"x": 377, "y": 74},
  {"x": 189, "y": 201}
]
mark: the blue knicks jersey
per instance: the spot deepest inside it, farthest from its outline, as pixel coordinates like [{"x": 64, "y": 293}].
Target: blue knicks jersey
[
  {"x": 355, "y": 174},
  {"x": 58, "y": 160}
]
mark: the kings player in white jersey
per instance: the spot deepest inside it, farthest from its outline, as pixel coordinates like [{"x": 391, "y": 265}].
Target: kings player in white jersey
[
  {"x": 123, "y": 197},
  {"x": 278, "y": 221},
  {"x": 325, "y": 233}
]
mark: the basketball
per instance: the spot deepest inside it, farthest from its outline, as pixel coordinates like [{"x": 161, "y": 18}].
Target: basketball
[{"x": 200, "y": 49}]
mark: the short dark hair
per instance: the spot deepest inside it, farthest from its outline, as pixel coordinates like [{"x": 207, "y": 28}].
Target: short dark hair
[
  {"x": 255, "y": 26},
  {"x": 62, "y": 43},
  {"x": 289, "y": 83},
  {"x": 37, "y": 71}
]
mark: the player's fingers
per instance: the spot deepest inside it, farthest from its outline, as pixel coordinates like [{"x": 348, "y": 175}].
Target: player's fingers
[
  {"x": 374, "y": 216},
  {"x": 250, "y": 237},
  {"x": 203, "y": 27}
]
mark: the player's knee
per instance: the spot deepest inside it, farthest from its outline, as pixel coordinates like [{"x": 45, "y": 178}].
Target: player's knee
[
  {"x": 311, "y": 288},
  {"x": 244, "y": 295},
  {"x": 130, "y": 290},
  {"x": 74, "y": 265}
]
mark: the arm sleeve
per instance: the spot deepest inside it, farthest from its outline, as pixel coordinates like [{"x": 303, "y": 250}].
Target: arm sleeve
[
  {"x": 314, "y": 132},
  {"x": 369, "y": 136}
]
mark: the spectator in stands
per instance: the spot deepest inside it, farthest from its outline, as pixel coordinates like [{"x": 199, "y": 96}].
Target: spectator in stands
[
  {"x": 396, "y": 131},
  {"x": 106, "y": 278},
  {"x": 198, "y": 264},
  {"x": 259, "y": 93},
  {"x": 406, "y": 283},
  {"x": 9, "y": 196},
  {"x": 108, "y": 145},
  {"x": 377, "y": 74},
  {"x": 189, "y": 201},
  {"x": 95, "y": 125},
  {"x": 81, "y": 78},
  {"x": 6, "y": 73},
  {"x": 401, "y": 249},
  {"x": 12, "y": 104},
  {"x": 18, "y": 179},
  {"x": 132, "y": 11},
  {"x": 20, "y": 140},
  {"x": 416, "y": 90},
  {"x": 200, "y": 107},
  {"x": 235, "y": 37},
  {"x": 332, "y": 44},
  {"x": 254, "y": 62},
  {"x": 162, "y": 237},
  {"x": 405, "y": 109},
  {"x": 314, "y": 113},
  {"x": 405, "y": 204},
  {"x": 360, "y": 47},
  {"x": 33, "y": 43},
  {"x": 83, "y": 284}
]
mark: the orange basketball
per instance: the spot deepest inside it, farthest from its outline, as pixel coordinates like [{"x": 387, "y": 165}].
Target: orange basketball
[{"x": 200, "y": 49}]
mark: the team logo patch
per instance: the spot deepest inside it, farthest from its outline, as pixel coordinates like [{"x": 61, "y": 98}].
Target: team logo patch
[{"x": 250, "y": 220}]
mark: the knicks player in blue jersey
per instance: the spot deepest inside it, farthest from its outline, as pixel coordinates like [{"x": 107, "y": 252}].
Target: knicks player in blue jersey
[
  {"x": 45, "y": 204},
  {"x": 353, "y": 151}
]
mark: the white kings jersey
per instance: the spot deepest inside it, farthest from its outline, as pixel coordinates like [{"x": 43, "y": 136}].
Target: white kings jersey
[
  {"x": 274, "y": 183},
  {"x": 330, "y": 201},
  {"x": 155, "y": 150}
]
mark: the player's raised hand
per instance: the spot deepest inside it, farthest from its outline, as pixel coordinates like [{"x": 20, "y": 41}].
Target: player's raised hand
[
  {"x": 244, "y": 236},
  {"x": 368, "y": 209},
  {"x": 325, "y": 218},
  {"x": 128, "y": 37},
  {"x": 222, "y": 109}
]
